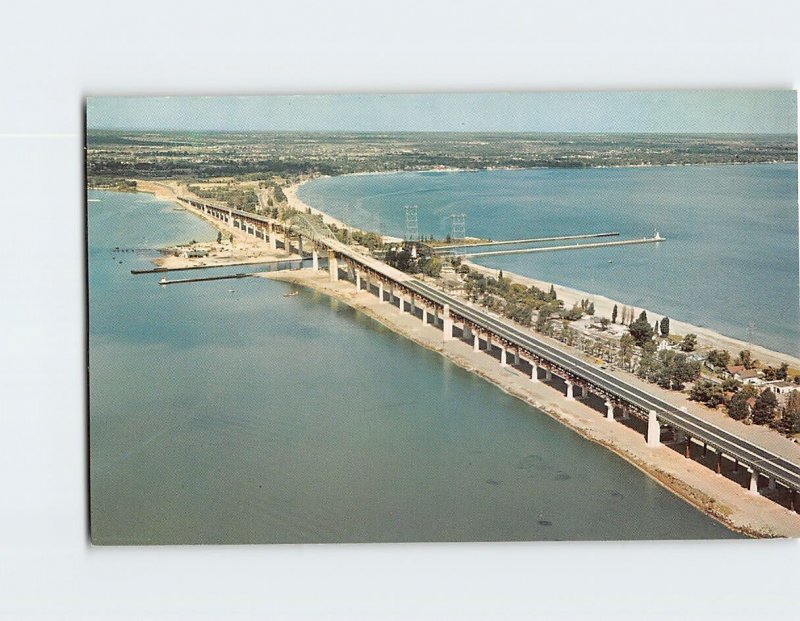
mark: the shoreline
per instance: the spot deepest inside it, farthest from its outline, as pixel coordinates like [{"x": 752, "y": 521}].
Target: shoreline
[
  {"x": 706, "y": 337},
  {"x": 722, "y": 499}
]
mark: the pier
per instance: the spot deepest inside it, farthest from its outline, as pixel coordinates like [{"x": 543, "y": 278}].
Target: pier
[
  {"x": 179, "y": 281},
  {"x": 532, "y": 240},
  {"x": 624, "y": 242}
]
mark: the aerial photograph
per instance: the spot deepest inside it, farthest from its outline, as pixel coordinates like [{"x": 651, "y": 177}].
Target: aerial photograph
[{"x": 484, "y": 317}]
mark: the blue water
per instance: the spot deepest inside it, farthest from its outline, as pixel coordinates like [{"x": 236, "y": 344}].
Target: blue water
[
  {"x": 730, "y": 262},
  {"x": 241, "y": 416}
]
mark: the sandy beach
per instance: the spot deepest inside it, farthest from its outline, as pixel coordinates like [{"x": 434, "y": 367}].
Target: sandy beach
[{"x": 245, "y": 249}]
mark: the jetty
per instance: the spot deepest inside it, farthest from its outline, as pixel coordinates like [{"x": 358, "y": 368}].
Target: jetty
[
  {"x": 532, "y": 240},
  {"x": 158, "y": 270},
  {"x": 178, "y": 281},
  {"x": 624, "y": 242}
]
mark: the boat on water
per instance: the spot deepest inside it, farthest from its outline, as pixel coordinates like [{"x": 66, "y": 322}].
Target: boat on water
[{"x": 291, "y": 294}]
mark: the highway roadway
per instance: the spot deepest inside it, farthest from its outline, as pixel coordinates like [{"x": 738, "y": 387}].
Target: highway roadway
[{"x": 746, "y": 452}]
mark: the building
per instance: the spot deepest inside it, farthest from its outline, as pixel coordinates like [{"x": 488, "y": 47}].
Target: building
[{"x": 782, "y": 390}]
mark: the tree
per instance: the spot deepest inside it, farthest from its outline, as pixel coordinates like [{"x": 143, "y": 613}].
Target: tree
[
  {"x": 641, "y": 330},
  {"x": 665, "y": 326},
  {"x": 738, "y": 408},
  {"x": 718, "y": 358},
  {"x": 614, "y": 314},
  {"x": 626, "y": 345},
  {"x": 745, "y": 358},
  {"x": 783, "y": 372},
  {"x": 551, "y": 295},
  {"x": 790, "y": 417},
  {"x": 688, "y": 343},
  {"x": 219, "y": 237},
  {"x": 764, "y": 409}
]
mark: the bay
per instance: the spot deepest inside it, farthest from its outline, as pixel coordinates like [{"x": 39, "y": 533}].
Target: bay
[
  {"x": 730, "y": 262},
  {"x": 243, "y": 416}
]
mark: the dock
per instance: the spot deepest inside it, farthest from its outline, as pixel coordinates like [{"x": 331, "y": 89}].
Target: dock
[
  {"x": 532, "y": 240},
  {"x": 624, "y": 242},
  {"x": 158, "y": 270},
  {"x": 179, "y": 281}
]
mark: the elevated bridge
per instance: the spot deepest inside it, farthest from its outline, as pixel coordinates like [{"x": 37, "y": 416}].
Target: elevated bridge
[{"x": 541, "y": 359}]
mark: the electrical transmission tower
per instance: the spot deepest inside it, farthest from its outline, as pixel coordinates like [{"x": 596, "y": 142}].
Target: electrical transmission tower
[
  {"x": 412, "y": 228},
  {"x": 457, "y": 226}
]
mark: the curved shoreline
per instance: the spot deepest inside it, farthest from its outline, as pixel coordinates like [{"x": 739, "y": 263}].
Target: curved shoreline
[{"x": 707, "y": 337}]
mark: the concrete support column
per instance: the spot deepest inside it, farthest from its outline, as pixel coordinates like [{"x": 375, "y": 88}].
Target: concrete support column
[
  {"x": 771, "y": 484},
  {"x": 653, "y": 429},
  {"x": 516, "y": 356},
  {"x": 534, "y": 372},
  {"x": 273, "y": 240},
  {"x": 466, "y": 332},
  {"x": 401, "y": 303},
  {"x": 609, "y": 410},
  {"x": 358, "y": 280},
  {"x": 687, "y": 452},
  {"x": 333, "y": 266},
  {"x": 424, "y": 315},
  {"x": 300, "y": 245},
  {"x": 548, "y": 375},
  {"x": 488, "y": 342},
  {"x": 753, "y": 480},
  {"x": 412, "y": 305},
  {"x": 447, "y": 323},
  {"x": 569, "y": 390},
  {"x": 793, "y": 500},
  {"x": 314, "y": 260},
  {"x": 476, "y": 342},
  {"x": 503, "y": 362},
  {"x": 380, "y": 291},
  {"x": 719, "y": 462},
  {"x": 230, "y": 218},
  {"x": 625, "y": 413}
]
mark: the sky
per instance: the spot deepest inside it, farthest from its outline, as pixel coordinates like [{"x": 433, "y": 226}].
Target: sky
[{"x": 723, "y": 111}]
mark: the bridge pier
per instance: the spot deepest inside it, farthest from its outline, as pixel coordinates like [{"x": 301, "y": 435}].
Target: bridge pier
[
  {"x": 380, "y": 292},
  {"x": 516, "y": 357},
  {"x": 569, "y": 395},
  {"x": 548, "y": 375},
  {"x": 609, "y": 410},
  {"x": 358, "y": 280},
  {"x": 466, "y": 333},
  {"x": 424, "y": 315},
  {"x": 653, "y": 429},
  {"x": 333, "y": 266},
  {"x": 503, "y": 362},
  {"x": 753, "y": 480},
  {"x": 447, "y": 324},
  {"x": 314, "y": 259},
  {"x": 273, "y": 240},
  {"x": 401, "y": 303},
  {"x": 476, "y": 342},
  {"x": 300, "y": 245},
  {"x": 771, "y": 484},
  {"x": 534, "y": 372}
]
